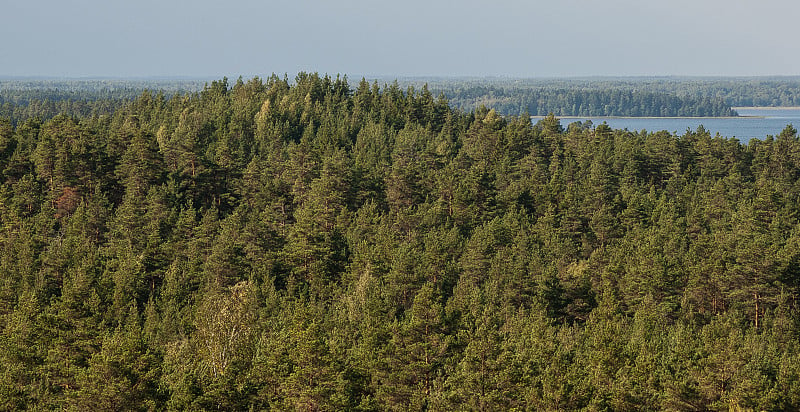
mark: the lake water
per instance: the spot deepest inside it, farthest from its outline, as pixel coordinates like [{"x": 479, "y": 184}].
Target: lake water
[{"x": 752, "y": 123}]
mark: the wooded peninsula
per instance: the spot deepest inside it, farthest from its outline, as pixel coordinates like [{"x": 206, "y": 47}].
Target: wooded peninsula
[{"x": 316, "y": 245}]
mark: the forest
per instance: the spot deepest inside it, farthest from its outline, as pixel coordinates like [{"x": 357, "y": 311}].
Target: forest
[
  {"x": 316, "y": 245},
  {"x": 22, "y": 98},
  {"x": 618, "y": 96},
  {"x": 601, "y": 102}
]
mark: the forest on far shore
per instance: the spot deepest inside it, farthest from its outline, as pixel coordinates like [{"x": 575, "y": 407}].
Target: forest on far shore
[
  {"x": 315, "y": 245},
  {"x": 618, "y": 96}
]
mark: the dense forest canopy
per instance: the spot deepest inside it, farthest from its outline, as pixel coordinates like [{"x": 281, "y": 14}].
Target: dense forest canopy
[{"x": 316, "y": 245}]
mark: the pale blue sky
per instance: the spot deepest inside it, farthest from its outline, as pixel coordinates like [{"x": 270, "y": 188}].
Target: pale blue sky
[{"x": 125, "y": 38}]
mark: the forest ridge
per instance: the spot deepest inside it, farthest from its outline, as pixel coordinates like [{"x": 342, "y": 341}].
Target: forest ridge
[{"x": 312, "y": 245}]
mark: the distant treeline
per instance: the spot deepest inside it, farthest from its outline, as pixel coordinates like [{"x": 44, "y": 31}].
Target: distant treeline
[
  {"x": 44, "y": 98},
  {"x": 91, "y": 89},
  {"x": 780, "y": 91},
  {"x": 573, "y": 102},
  {"x": 628, "y": 96},
  {"x": 657, "y": 96}
]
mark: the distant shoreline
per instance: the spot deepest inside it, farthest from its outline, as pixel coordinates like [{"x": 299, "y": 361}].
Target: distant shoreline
[
  {"x": 650, "y": 117},
  {"x": 766, "y": 107},
  {"x": 684, "y": 117}
]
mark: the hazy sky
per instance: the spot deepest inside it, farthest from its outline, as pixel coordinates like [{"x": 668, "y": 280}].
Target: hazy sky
[{"x": 520, "y": 38}]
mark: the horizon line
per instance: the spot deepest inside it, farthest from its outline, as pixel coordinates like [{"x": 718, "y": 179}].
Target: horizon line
[{"x": 4, "y": 77}]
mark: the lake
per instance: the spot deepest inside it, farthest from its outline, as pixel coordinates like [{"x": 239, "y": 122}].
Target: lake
[{"x": 752, "y": 123}]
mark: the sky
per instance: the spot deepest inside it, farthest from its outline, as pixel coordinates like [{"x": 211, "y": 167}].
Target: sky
[{"x": 372, "y": 38}]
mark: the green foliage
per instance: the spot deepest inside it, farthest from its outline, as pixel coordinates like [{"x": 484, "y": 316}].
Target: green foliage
[
  {"x": 639, "y": 96},
  {"x": 596, "y": 101},
  {"x": 277, "y": 245}
]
